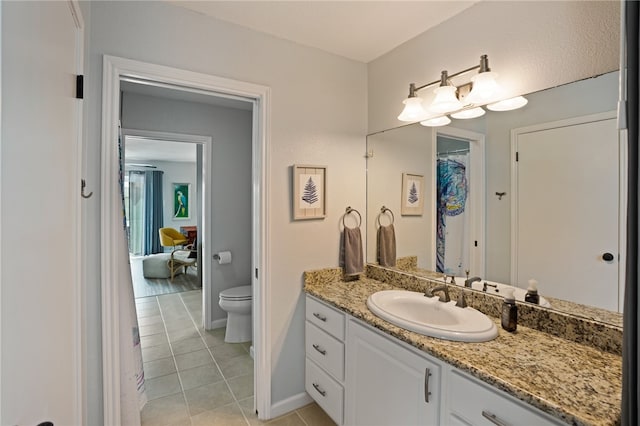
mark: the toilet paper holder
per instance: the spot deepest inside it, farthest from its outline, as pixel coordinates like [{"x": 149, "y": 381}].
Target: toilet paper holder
[{"x": 223, "y": 257}]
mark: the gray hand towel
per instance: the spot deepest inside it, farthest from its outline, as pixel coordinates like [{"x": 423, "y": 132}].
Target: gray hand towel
[
  {"x": 386, "y": 249},
  {"x": 352, "y": 258}
]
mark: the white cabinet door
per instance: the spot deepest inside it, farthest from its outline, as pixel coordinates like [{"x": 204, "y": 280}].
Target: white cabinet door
[{"x": 387, "y": 384}]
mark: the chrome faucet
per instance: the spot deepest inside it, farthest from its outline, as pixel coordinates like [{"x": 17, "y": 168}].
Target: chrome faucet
[
  {"x": 443, "y": 288},
  {"x": 469, "y": 281}
]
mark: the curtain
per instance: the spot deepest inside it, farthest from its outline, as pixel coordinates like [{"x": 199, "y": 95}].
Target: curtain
[
  {"x": 452, "y": 221},
  {"x": 152, "y": 211},
  {"x": 630, "y": 355},
  {"x": 135, "y": 212},
  {"x": 132, "y": 385}
]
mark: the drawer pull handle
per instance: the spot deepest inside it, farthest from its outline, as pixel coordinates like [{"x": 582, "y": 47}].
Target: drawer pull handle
[
  {"x": 427, "y": 374},
  {"x": 493, "y": 418},
  {"x": 319, "y": 389},
  {"x": 320, "y": 317},
  {"x": 319, "y": 349}
]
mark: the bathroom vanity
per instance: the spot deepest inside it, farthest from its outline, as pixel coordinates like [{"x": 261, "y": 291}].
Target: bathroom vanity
[{"x": 363, "y": 370}]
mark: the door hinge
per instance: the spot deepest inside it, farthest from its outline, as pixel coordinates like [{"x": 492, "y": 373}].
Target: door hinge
[
  {"x": 475, "y": 243},
  {"x": 517, "y": 156},
  {"x": 79, "y": 87},
  {"x": 256, "y": 273}
]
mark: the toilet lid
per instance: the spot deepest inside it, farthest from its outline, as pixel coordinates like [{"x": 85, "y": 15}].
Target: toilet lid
[{"x": 236, "y": 293}]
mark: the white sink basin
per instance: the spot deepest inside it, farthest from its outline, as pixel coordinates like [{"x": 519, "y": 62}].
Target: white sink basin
[{"x": 428, "y": 316}]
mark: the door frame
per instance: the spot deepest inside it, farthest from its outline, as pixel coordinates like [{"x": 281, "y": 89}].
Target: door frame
[
  {"x": 622, "y": 185},
  {"x": 115, "y": 68},
  {"x": 476, "y": 200}
]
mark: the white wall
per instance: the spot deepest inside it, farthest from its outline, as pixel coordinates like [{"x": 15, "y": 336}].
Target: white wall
[
  {"x": 230, "y": 130},
  {"x": 318, "y": 116}
]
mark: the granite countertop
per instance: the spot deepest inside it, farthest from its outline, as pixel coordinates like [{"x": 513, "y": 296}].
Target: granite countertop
[{"x": 575, "y": 383}]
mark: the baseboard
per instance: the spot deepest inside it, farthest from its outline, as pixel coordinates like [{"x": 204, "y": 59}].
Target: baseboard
[
  {"x": 219, "y": 323},
  {"x": 288, "y": 405}
]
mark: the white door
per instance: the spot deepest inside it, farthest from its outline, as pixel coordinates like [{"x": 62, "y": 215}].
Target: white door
[
  {"x": 566, "y": 234},
  {"x": 40, "y": 185}
]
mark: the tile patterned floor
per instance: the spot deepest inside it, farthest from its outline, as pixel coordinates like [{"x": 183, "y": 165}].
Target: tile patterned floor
[{"x": 193, "y": 377}]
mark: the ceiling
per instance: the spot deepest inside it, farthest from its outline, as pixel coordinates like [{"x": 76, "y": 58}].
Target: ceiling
[{"x": 359, "y": 30}]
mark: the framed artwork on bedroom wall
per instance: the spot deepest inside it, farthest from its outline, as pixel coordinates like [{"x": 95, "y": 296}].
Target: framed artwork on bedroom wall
[
  {"x": 309, "y": 192},
  {"x": 181, "y": 194}
]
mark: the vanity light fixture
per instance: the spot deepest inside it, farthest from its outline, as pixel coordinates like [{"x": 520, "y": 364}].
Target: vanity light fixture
[
  {"x": 413, "y": 110},
  {"x": 468, "y": 113},
  {"x": 443, "y": 120},
  {"x": 508, "y": 104},
  {"x": 446, "y": 99},
  {"x": 484, "y": 90}
]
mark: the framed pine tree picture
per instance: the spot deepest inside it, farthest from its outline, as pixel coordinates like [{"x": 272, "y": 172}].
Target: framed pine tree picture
[
  {"x": 309, "y": 192},
  {"x": 412, "y": 203}
]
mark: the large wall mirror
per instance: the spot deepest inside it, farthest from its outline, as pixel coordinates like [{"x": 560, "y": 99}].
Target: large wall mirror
[{"x": 525, "y": 219}]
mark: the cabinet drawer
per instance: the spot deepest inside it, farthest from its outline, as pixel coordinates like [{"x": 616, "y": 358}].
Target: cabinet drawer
[
  {"x": 326, "y": 351},
  {"x": 328, "y": 393},
  {"x": 473, "y": 402},
  {"x": 326, "y": 318}
]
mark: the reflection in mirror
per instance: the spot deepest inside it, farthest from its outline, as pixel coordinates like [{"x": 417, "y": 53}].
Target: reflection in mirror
[{"x": 413, "y": 149}]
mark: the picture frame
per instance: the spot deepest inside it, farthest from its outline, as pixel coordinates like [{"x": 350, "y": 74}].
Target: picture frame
[
  {"x": 412, "y": 201},
  {"x": 309, "y": 192},
  {"x": 181, "y": 199}
]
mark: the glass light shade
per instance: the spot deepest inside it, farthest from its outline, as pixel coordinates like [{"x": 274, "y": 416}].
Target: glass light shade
[
  {"x": 445, "y": 100},
  {"x": 436, "y": 122},
  {"x": 469, "y": 113},
  {"x": 509, "y": 104},
  {"x": 413, "y": 110},
  {"x": 485, "y": 88}
]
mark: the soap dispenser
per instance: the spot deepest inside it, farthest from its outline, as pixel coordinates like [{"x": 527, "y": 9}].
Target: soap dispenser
[
  {"x": 532, "y": 295},
  {"x": 509, "y": 311}
]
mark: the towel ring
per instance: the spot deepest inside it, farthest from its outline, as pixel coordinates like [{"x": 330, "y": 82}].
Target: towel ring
[
  {"x": 350, "y": 210},
  {"x": 383, "y": 210}
]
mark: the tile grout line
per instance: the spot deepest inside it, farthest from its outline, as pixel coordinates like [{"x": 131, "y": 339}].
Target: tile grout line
[
  {"x": 175, "y": 363},
  {"x": 224, "y": 378}
]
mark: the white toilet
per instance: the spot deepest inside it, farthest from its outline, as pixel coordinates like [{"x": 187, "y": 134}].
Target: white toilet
[{"x": 236, "y": 301}]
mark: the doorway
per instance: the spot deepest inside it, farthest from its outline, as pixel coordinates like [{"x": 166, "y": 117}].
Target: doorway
[
  {"x": 116, "y": 69},
  {"x": 458, "y": 202},
  {"x": 153, "y": 162}
]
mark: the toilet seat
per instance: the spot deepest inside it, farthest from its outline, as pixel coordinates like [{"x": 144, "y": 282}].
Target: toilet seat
[{"x": 236, "y": 293}]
